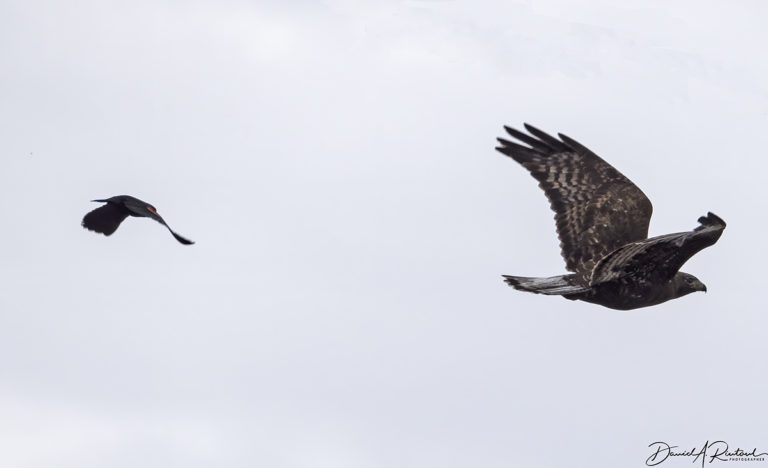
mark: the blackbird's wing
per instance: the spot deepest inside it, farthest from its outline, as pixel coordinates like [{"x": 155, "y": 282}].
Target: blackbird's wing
[
  {"x": 153, "y": 214},
  {"x": 181, "y": 239},
  {"x": 105, "y": 219}
]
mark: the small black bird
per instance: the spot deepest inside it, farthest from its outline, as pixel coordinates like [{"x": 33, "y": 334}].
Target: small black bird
[{"x": 107, "y": 218}]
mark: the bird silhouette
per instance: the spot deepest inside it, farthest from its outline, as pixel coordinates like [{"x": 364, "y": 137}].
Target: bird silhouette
[{"x": 106, "y": 219}]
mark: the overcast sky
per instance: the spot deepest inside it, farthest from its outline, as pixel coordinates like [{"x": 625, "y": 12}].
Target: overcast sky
[{"x": 343, "y": 304}]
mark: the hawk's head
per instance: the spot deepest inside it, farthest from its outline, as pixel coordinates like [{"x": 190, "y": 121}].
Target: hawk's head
[{"x": 686, "y": 284}]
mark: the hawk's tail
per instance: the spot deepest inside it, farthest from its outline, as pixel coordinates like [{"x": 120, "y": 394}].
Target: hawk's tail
[{"x": 554, "y": 285}]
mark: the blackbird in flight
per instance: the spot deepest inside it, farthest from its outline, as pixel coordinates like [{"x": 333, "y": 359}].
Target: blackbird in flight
[{"x": 107, "y": 218}]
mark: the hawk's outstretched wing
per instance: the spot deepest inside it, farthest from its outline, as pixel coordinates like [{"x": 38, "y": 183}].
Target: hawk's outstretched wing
[
  {"x": 597, "y": 209},
  {"x": 658, "y": 259}
]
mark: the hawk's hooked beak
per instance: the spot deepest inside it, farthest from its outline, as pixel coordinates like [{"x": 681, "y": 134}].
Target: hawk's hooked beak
[{"x": 697, "y": 285}]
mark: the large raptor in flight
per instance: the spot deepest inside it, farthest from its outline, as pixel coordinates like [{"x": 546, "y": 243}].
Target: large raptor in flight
[{"x": 602, "y": 221}]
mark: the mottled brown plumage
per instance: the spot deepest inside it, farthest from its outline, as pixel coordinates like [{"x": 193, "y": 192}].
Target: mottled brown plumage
[{"x": 602, "y": 221}]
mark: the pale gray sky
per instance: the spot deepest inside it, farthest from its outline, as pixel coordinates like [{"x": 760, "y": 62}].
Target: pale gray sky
[{"x": 343, "y": 305}]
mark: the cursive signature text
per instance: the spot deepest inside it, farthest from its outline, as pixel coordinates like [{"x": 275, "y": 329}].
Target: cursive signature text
[{"x": 710, "y": 451}]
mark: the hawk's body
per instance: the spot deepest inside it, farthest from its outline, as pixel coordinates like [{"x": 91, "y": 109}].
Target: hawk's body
[{"x": 602, "y": 221}]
